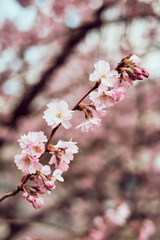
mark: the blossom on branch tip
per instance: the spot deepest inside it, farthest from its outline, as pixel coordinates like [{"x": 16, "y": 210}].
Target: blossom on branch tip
[
  {"x": 130, "y": 70},
  {"x": 102, "y": 72},
  {"x": 58, "y": 112}
]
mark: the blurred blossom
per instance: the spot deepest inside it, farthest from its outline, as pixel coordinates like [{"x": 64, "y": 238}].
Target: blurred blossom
[
  {"x": 147, "y": 230},
  {"x": 157, "y": 162},
  {"x": 154, "y": 57},
  {"x": 41, "y": 2},
  {"x": 23, "y": 18},
  {"x": 8, "y": 57},
  {"x": 92, "y": 38},
  {"x": 32, "y": 76},
  {"x": 34, "y": 54},
  {"x": 95, "y": 4},
  {"x": 156, "y": 7},
  {"x": 4, "y": 230},
  {"x": 4, "y": 106},
  {"x": 138, "y": 28},
  {"x": 111, "y": 14},
  {"x": 72, "y": 18},
  {"x": 145, "y": 1},
  {"x": 26, "y": 18},
  {"x": 13, "y": 87}
]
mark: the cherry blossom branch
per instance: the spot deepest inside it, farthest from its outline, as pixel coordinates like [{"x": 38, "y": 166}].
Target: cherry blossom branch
[
  {"x": 25, "y": 178},
  {"x": 17, "y": 189},
  {"x": 111, "y": 86},
  {"x": 10, "y": 194}
]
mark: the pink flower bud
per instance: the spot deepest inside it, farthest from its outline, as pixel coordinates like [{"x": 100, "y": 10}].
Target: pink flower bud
[
  {"x": 30, "y": 198},
  {"x": 49, "y": 185},
  {"x": 38, "y": 203},
  {"x": 25, "y": 194},
  {"x": 139, "y": 77},
  {"x": 40, "y": 189},
  {"x": 145, "y": 73},
  {"x": 137, "y": 70}
]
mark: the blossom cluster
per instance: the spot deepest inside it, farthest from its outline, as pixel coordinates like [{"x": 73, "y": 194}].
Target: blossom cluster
[
  {"x": 40, "y": 175},
  {"x": 110, "y": 88}
]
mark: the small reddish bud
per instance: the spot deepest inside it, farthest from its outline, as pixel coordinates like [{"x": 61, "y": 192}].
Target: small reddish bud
[
  {"x": 139, "y": 77},
  {"x": 49, "y": 185},
  {"x": 145, "y": 73},
  {"x": 137, "y": 70},
  {"x": 30, "y": 198},
  {"x": 25, "y": 194}
]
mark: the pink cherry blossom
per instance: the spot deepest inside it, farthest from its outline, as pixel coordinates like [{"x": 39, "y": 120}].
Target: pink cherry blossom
[
  {"x": 58, "y": 112},
  {"x": 68, "y": 149},
  {"x": 32, "y": 138},
  {"x": 63, "y": 166},
  {"x": 49, "y": 185},
  {"x": 106, "y": 98},
  {"x": 38, "y": 202},
  {"x": 89, "y": 124},
  {"x": 127, "y": 82},
  {"x": 37, "y": 180},
  {"x": 53, "y": 159},
  {"x": 46, "y": 170},
  {"x": 27, "y": 163},
  {"x": 135, "y": 59},
  {"x": 57, "y": 175},
  {"x": 102, "y": 72},
  {"x": 92, "y": 122},
  {"x": 36, "y": 150}
]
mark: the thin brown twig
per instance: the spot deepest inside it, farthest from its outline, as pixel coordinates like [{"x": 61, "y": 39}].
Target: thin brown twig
[
  {"x": 26, "y": 177},
  {"x": 17, "y": 189}
]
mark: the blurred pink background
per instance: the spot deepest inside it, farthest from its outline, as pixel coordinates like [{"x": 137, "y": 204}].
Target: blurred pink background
[{"x": 47, "y": 51}]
